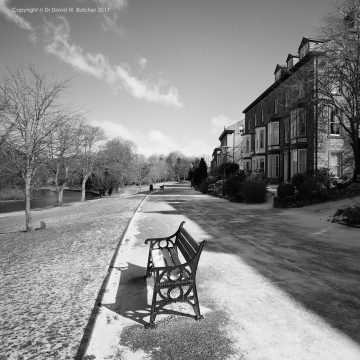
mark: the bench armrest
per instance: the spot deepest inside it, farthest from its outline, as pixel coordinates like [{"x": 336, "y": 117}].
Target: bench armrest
[{"x": 154, "y": 241}]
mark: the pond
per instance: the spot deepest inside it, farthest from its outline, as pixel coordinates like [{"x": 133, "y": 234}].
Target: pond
[{"x": 44, "y": 198}]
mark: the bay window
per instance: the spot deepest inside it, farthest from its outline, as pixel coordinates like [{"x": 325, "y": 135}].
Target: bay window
[
  {"x": 273, "y": 166},
  {"x": 258, "y": 163},
  {"x": 273, "y": 133},
  {"x": 260, "y": 140},
  {"x": 298, "y": 123},
  {"x": 298, "y": 161}
]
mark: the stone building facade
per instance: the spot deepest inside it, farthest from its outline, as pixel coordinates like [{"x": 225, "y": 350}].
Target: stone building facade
[
  {"x": 230, "y": 148},
  {"x": 286, "y": 131}
]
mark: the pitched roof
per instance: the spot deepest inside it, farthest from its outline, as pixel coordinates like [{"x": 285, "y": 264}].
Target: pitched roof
[{"x": 291, "y": 56}]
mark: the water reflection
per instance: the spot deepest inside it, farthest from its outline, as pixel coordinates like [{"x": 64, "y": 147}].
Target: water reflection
[{"x": 44, "y": 198}]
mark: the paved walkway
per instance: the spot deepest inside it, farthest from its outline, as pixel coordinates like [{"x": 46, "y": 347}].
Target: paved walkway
[{"x": 281, "y": 284}]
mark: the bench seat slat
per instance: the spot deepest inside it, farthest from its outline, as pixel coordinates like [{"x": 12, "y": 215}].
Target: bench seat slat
[
  {"x": 158, "y": 258},
  {"x": 174, "y": 256}
]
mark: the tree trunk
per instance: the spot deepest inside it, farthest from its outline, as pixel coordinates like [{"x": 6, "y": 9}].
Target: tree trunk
[
  {"x": 60, "y": 188},
  {"x": 28, "y": 222},
  {"x": 83, "y": 183},
  {"x": 60, "y": 192},
  {"x": 356, "y": 152}
]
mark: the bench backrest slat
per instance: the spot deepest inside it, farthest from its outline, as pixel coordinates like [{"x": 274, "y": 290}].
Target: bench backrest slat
[
  {"x": 190, "y": 239},
  {"x": 186, "y": 244}
]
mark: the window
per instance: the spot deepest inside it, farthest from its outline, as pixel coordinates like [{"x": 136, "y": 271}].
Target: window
[
  {"x": 334, "y": 123},
  {"x": 301, "y": 128},
  {"x": 255, "y": 120},
  {"x": 298, "y": 123},
  {"x": 276, "y": 106},
  {"x": 259, "y": 163},
  {"x": 304, "y": 50},
  {"x": 298, "y": 161},
  {"x": 247, "y": 142},
  {"x": 287, "y": 97},
  {"x": 260, "y": 140},
  {"x": 293, "y": 162},
  {"x": 247, "y": 164},
  {"x": 286, "y": 130},
  {"x": 273, "y": 133},
  {"x": 278, "y": 75},
  {"x": 290, "y": 63},
  {"x": 273, "y": 166},
  {"x": 335, "y": 163},
  {"x": 262, "y": 114},
  {"x": 302, "y": 161}
]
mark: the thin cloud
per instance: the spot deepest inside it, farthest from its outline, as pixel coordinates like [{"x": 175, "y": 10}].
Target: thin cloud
[
  {"x": 99, "y": 66},
  {"x": 152, "y": 142},
  {"x": 13, "y": 16},
  {"x": 142, "y": 62},
  {"x": 111, "y": 15},
  {"x": 112, "y": 4},
  {"x": 219, "y": 122}
]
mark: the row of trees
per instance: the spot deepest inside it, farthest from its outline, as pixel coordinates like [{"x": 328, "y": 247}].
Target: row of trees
[{"x": 43, "y": 140}]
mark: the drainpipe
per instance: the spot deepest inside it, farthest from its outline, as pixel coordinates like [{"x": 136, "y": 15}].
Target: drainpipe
[{"x": 316, "y": 119}]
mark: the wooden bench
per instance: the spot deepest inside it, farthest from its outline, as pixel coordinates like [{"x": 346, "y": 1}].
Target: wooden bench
[{"x": 173, "y": 261}]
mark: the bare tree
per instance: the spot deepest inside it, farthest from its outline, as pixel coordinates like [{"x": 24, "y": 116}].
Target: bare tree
[
  {"x": 118, "y": 154},
  {"x": 62, "y": 149},
  {"x": 30, "y": 113},
  {"x": 87, "y": 146},
  {"x": 158, "y": 168},
  {"x": 140, "y": 168},
  {"x": 338, "y": 78},
  {"x": 331, "y": 82}
]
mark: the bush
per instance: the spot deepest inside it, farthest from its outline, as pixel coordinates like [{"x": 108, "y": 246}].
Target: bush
[
  {"x": 254, "y": 191},
  {"x": 297, "y": 180},
  {"x": 204, "y": 186},
  {"x": 351, "y": 215},
  {"x": 257, "y": 176},
  {"x": 229, "y": 168},
  {"x": 353, "y": 189},
  {"x": 233, "y": 185},
  {"x": 285, "y": 189},
  {"x": 216, "y": 188},
  {"x": 325, "y": 178}
]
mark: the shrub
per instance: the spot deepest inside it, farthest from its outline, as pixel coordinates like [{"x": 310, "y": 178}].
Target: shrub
[
  {"x": 297, "y": 180},
  {"x": 257, "y": 176},
  {"x": 351, "y": 215},
  {"x": 239, "y": 197},
  {"x": 285, "y": 189},
  {"x": 216, "y": 188},
  {"x": 229, "y": 168},
  {"x": 254, "y": 191},
  {"x": 353, "y": 189},
  {"x": 233, "y": 185},
  {"x": 204, "y": 186},
  {"x": 325, "y": 178}
]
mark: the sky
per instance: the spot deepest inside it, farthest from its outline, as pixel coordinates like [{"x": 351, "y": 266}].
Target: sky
[{"x": 165, "y": 74}]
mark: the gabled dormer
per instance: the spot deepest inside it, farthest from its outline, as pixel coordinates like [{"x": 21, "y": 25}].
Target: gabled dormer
[
  {"x": 307, "y": 45},
  {"x": 279, "y": 71},
  {"x": 291, "y": 60}
]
